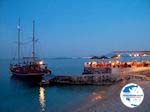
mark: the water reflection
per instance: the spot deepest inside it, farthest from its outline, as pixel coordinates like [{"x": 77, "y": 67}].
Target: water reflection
[
  {"x": 22, "y": 82},
  {"x": 42, "y": 98}
]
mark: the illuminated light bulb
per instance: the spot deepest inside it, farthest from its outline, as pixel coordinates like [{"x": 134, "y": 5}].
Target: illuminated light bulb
[{"x": 41, "y": 62}]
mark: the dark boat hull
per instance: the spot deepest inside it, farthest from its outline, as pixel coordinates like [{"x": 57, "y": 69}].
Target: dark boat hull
[
  {"x": 28, "y": 74},
  {"x": 32, "y": 76}
]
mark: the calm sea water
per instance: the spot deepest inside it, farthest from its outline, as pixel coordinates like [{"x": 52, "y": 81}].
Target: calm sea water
[
  {"x": 24, "y": 96},
  {"x": 18, "y": 95}
]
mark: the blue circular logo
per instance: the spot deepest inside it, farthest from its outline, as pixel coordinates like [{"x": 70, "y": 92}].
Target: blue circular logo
[{"x": 132, "y": 95}]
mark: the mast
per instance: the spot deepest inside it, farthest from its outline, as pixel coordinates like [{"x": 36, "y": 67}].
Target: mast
[
  {"x": 18, "y": 28},
  {"x": 33, "y": 52}
]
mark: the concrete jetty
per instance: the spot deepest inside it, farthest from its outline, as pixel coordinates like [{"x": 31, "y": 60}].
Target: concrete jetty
[
  {"x": 88, "y": 79},
  {"x": 99, "y": 78}
]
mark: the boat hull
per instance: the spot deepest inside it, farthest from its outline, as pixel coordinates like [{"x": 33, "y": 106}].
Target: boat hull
[{"x": 28, "y": 74}]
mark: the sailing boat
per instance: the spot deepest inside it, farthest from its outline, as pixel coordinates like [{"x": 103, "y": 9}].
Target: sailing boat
[{"x": 30, "y": 66}]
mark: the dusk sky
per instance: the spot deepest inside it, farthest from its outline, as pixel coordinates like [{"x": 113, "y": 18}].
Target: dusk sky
[{"x": 75, "y": 27}]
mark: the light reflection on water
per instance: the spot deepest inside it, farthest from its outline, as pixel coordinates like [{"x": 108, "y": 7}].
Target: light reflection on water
[
  {"x": 42, "y": 98},
  {"x": 25, "y": 94}
]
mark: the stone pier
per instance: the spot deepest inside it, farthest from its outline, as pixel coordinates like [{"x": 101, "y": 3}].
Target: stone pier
[{"x": 91, "y": 79}]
